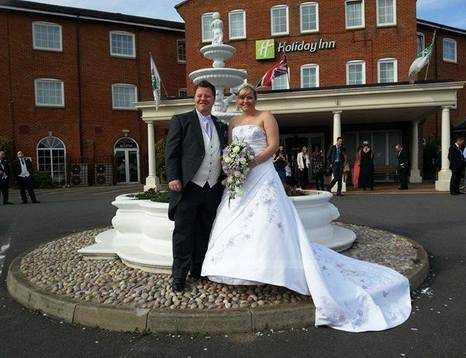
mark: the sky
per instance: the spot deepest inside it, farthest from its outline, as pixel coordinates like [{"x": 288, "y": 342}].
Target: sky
[{"x": 447, "y": 12}]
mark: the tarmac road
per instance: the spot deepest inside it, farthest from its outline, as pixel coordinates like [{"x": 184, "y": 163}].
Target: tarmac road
[{"x": 437, "y": 327}]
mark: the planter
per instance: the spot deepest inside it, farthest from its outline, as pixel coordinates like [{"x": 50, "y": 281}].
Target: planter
[{"x": 142, "y": 233}]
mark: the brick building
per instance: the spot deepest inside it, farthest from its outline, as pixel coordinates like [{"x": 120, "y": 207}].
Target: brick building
[
  {"x": 337, "y": 49},
  {"x": 70, "y": 78}
]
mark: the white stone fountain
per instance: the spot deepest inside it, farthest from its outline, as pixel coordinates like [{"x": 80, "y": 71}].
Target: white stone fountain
[{"x": 142, "y": 233}]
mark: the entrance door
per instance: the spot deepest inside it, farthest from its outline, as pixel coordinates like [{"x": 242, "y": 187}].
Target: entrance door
[{"x": 127, "y": 161}]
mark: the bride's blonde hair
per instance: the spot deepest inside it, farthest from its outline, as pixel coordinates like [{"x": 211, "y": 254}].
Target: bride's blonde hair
[{"x": 245, "y": 89}]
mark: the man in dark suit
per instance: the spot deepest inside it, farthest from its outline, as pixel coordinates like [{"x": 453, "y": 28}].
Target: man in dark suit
[
  {"x": 336, "y": 159},
  {"x": 403, "y": 166},
  {"x": 457, "y": 164},
  {"x": 4, "y": 178},
  {"x": 24, "y": 178},
  {"x": 193, "y": 153}
]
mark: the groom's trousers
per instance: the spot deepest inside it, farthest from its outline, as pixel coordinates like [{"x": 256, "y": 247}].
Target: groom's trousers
[{"x": 194, "y": 216}]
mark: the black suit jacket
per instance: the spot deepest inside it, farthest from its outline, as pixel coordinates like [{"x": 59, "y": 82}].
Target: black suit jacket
[
  {"x": 403, "y": 160},
  {"x": 455, "y": 156},
  {"x": 17, "y": 167},
  {"x": 6, "y": 170},
  {"x": 184, "y": 151},
  {"x": 332, "y": 154}
]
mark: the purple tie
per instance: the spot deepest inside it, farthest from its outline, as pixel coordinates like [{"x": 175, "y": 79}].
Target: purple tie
[{"x": 207, "y": 127}]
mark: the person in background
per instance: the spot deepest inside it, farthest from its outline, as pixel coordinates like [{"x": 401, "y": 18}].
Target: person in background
[
  {"x": 403, "y": 166},
  {"x": 336, "y": 159},
  {"x": 437, "y": 161},
  {"x": 280, "y": 160},
  {"x": 4, "y": 178},
  {"x": 366, "y": 174},
  {"x": 24, "y": 178},
  {"x": 303, "y": 162},
  {"x": 356, "y": 168},
  {"x": 457, "y": 165},
  {"x": 318, "y": 167}
]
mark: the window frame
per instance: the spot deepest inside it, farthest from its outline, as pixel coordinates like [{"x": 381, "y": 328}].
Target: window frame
[
  {"x": 301, "y": 6},
  {"x": 450, "y": 40},
  {"x": 177, "y": 52},
  {"x": 36, "y": 47},
  {"x": 51, "y": 105},
  {"x": 51, "y": 157},
  {"x": 237, "y": 11},
  {"x": 184, "y": 90},
  {"x": 204, "y": 40},
  {"x": 310, "y": 65},
  {"x": 282, "y": 89},
  {"x": 117, "y": 32},
  {"x": 287, "y": 32},
  {"x": 394, "y": 23},
  {"x": 135, "y": 97},
  {"x": 423, "y": 41},
  {"x": 353, "y": 62},
  {"x": 363, "y": 17},
  {"x": 395, "y": 69}
]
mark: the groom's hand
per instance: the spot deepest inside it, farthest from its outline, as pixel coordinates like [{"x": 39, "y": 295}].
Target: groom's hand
[{"x": 175, "y": 185}]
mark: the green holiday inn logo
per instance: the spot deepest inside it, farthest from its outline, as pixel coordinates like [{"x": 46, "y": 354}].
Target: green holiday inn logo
[{"x": 265, "y": 49}]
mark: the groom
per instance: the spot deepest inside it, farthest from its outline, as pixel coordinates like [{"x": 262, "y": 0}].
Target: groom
[{"x": 193, "y": 153}]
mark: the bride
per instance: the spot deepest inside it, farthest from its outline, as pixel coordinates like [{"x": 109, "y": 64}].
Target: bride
[{"x": 258, "y": 238}]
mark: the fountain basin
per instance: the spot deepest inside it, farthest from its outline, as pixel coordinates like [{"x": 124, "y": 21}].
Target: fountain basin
[
  {"x": 219, "y": 77},
  {"x": 142, "y": 233},
  {"x": 218, "y": 53}
]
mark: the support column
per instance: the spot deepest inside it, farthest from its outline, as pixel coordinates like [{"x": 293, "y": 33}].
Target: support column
[
  {"x": 151, "y": 181},
  {"x": 444, "y": 176},
  {"x": 336, "y": 134},
  {"x": 415, "y": 176}
]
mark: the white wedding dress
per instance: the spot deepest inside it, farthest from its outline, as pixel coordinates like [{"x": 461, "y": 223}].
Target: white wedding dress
[{"x": 258, "y": 238}]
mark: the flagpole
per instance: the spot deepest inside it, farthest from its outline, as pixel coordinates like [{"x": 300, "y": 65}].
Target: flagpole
[{"x": 431, "y": 50}]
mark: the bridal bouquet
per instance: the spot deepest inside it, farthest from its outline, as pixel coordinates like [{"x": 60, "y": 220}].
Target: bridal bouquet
[{"x": 235, "y": 163}]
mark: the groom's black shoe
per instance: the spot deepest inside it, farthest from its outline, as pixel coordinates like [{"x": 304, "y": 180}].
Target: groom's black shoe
[
  {"x": 197, "y": 277},
  {"x": 177, "y": 286}
]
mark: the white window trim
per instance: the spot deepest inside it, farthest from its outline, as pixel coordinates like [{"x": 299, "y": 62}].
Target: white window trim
[
  {"x": 244, "y": 24},
  {"x": 287, "y": 20},
  {"x": 423, "y": 40},
  {"x": 304, "y": 4},
  {"x": 182, "y": 89},
  {"x": 446, "y": 39},
  {"x": 202, "y": 26},
  {"x": 363, "y": 71},
  {"x": 177, "y": 53},
  {"x": 388, "y": 23},
  {"x": 395, "y": 68},
  {"x": 46, "y": 48},
  {"x": 122, "y": 33},
  {"x": 363, "y": 25},
  {"x": 282, "y": 89},
  {"x": 310, "y": 65},
  {"x": 61, "y": 105},
  {"x": 135, "y": 96}
]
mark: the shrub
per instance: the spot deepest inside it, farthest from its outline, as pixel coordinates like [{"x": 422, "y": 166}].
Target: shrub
[
  {"x": 157, "y": 196},
  {"x": 160, "y": 160},
  {"x": 43, "y": 180}
]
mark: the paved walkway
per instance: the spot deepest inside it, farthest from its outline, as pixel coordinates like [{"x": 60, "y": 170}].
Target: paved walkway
[{"x": 436, "y": 329}]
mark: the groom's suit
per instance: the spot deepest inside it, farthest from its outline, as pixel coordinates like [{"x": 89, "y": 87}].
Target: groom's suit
[{"x": 189, "y": 154}]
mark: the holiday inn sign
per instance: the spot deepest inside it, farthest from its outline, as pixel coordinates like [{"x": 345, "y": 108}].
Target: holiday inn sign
[{"x": 265, "y": 49}]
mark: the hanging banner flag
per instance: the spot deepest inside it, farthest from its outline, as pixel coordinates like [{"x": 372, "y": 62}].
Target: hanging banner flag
[
  {"x": 422, "y": 59},
  {"x": 156, "y": 82}
]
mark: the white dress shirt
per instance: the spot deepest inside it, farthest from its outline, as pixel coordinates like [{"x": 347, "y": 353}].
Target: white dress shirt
[{"x": 24, "y": 170}]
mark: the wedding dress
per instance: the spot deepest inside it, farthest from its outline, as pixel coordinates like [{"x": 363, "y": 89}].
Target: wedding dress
[{"x": 258, "y": 238}]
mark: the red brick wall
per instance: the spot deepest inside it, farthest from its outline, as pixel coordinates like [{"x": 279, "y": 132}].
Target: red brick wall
[
  {"x": 369, "y": 44},
  {"x": 101, "y": 125}
]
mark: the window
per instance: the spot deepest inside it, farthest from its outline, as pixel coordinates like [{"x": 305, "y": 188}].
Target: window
[
  {"x": 281, "y": 82},
  {"x": 309, "y": 76},
  {"x": 122, "y": 44},
  {"x": 49, "y": 92},
  {"x": 123, "y": 96},
  {"x": 449, "y": 50},
  {"x": 386, "y": 12},
  {"x": 51, "y": 154},
  {"x": 46, "y": 36},
  {"x": 309, "y": 15},
  {"x": 279, "y": 20},
  {"x": 355, "y": 72},
  {"x": 182, "y": 92},
  {"x": 421, "y": 42},
  {"x": 206, "y": 23},
  {"x": 354, "y": 12},
  {"x": 387, "y": 70},
  {"x": 181, "y": 50},
  {"x": 237, "y": 24}
]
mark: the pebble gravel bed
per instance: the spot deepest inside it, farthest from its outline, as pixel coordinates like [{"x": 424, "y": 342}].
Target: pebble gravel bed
[{"x": 57, "y": 268}]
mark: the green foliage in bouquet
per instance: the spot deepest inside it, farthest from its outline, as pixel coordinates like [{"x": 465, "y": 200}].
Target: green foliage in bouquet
[{"x": 157, "y": 196}]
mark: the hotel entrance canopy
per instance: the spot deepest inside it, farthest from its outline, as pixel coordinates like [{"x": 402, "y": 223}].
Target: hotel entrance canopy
[{"x": 350, "y": 104}]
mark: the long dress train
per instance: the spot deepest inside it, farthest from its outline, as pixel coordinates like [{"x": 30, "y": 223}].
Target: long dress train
[{"x": 258, "y": 238}]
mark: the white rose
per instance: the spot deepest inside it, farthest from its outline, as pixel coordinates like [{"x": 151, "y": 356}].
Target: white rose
[
  {"x": 242, "y": 160},
  {"x": 237, "y": 173},
  {"x": 227, "y": 160},
  {"x": 236, "y": 149}
]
